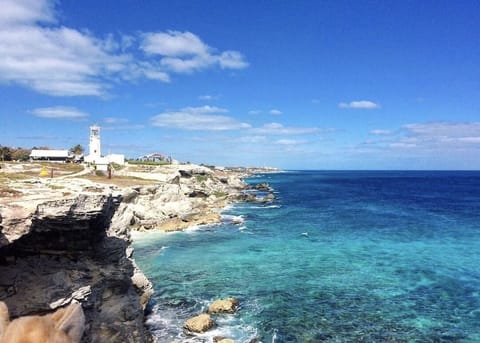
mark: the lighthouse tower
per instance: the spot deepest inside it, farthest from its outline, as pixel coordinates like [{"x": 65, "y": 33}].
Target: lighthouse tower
[{"x": 94, "y": 145}]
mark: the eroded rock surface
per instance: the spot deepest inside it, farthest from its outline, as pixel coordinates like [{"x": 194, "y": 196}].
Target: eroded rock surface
[
  {"x": 228, "y": 305},
  {"x": 199, "y": 324},
  {"x": 55, "y": 249}
]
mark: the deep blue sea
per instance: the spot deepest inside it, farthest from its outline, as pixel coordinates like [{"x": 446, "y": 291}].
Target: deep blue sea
[{"x": 338, "y": 257}]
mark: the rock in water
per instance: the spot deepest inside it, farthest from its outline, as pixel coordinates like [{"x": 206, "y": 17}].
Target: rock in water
[
  {"x": 228, "y": 305},
  {"x": 199, "y": 324},
  {"x": 222, "y": 340}
]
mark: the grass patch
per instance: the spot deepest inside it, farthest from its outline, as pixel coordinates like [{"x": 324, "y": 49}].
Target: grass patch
[
  {"x": 120, "y": 181},
  {"x": 55, "y": 187},
  {"x": 202, "y": 178},
  {"x": 220, "y": 194},
  {"x": 6, "y": 191},
  {"x": 117, "y": 166},
  {"x": 4, "y": 177}
]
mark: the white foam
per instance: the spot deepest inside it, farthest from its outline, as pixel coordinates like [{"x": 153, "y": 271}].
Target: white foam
[
  {"x": 264, "y": 207},
  {"x": 232, "y": 219}
]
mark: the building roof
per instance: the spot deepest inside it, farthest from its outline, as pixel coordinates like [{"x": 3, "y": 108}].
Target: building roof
[{"x": 50, "y": 153}]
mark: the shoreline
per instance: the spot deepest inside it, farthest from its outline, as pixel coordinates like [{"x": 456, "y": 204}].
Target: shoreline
[{"x": 106, "y": 218}]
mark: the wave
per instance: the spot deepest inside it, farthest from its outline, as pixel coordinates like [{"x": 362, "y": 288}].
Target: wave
[
  {"x": 256, "y": 207},
  {"x": 232, "y": 219}
]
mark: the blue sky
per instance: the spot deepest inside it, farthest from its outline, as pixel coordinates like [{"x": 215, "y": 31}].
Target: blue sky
[{"x": 290, "y": 84}]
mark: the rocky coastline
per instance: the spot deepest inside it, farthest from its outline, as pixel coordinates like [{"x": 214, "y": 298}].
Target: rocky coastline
[{"x": 68, "y": 239}]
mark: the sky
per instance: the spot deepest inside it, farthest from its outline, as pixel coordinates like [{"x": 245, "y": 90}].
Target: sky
[{"x": 290, "y": 84}]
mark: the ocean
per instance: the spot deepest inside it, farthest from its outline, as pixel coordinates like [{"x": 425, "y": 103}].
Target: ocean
[{"x": 338, "y": 257}]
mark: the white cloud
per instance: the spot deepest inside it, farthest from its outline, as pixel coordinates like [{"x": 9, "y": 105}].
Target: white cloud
[
  {"x": 59, "y": 112},
  {"x": 254, "y": 112},
  {"x": 25, "y": 11},
  {"x": 205, "y": 118},
  {"x": 115, "y": 120},
  {"x": 115, "y": 127},
  {"x": 173, "y": 43},
  {"x": 289, "y": 141},
  {"x": 279, "y": 129},
  {"x": 61, "y": 61},
  {"x": 54, "y": 60},
  {"x": 439, "y": 138},
  {"x": 275, "y": 112},
  {"x": 362, "y": 104},
  {"x": 380, "y": 132},
  {"x": 207, "y": 97},
  {"x": 184, "y": 52},
  {"x": 443, "y": 130},
  {"x": 252, "y": 139}
]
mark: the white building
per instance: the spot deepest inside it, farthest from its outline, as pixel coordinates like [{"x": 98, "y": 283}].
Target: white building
[
  {"x": 51, "y": 155},
  {"x": 95, "y": 156}
]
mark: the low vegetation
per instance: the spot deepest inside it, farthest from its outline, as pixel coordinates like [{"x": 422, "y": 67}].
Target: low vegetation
[{"x": 120, "y": 181}]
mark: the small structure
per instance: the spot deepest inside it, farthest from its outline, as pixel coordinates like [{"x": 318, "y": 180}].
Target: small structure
[
  {"x": 95, "y": 157},
  {"x": 51, "y": 155},
  {"x": 156, "y": 157}
]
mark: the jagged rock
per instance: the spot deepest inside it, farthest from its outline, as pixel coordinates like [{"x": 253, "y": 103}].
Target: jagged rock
[
  {"x": 260, "y": 186},
  {"x": 228, "y": 305},
  {"x": 199, "y": 324},
  {"x": 269, "y": 197},
  {"x": 198, "y": 194}
]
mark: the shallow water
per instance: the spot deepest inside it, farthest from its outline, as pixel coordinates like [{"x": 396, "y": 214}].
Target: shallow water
[{"x": 339, "y": 257}]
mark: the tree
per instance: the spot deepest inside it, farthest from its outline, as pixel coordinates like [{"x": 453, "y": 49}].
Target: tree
[
  {"x": 77, "y": 149},
  {"x": 20, "y": 154},
  {"x": 5, "y": 153}
]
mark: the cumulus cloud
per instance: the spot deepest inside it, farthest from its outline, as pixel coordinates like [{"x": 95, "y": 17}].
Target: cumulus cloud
[
  {"x": 279, "y": 129},
  {"x": 59, "y": 112},
  {"x": 362, "y": 104},
  {"x": 275, "y": 112},
  {"x": 184, "y": 52},
  {"x": 39, "y": 53},
  {"x": 206, "y": 118}
]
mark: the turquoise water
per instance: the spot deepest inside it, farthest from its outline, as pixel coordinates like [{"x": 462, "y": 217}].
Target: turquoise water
[{"x": 338, "y": 257}]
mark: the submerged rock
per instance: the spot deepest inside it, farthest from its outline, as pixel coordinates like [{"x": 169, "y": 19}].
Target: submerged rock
[
  {"x": 228, "y": 305},
  {"x": 199, "y": 324},
  {"x": 222, "y": 340}
]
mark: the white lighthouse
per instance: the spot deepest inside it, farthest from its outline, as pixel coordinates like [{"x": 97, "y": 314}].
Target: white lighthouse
[
  {"x": 95, "y": 154},
  {"x": 95, "y": 146}
]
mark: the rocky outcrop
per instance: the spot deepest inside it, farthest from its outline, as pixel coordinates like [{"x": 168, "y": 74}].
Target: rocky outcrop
[
  {"x": 228, "y": 305},
  {"x": 57, "y": 251},
  {"x": 199, "y": 324},
  {"x": 186, "y": 200}
]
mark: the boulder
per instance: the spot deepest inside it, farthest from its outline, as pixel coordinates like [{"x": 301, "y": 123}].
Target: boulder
[
  {"x": 261, "y": 186},
  {"x": 222, "y": 340},
  {"x": 228, "y": 305},
  {"x": 269, "y": 197},
  {"x": 199, "y": 324}
]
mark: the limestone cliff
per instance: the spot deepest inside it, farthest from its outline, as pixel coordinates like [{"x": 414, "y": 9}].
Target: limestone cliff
[{"x": 53, "y": 251}]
